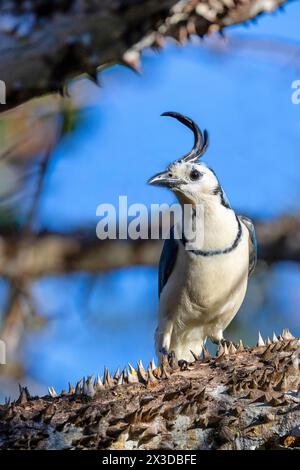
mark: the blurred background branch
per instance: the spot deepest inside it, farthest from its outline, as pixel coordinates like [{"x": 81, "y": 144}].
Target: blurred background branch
[{"x": 45, "y": 254}]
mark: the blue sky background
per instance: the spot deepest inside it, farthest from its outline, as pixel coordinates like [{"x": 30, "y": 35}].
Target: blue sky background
[{"x": 240, "y": 90}]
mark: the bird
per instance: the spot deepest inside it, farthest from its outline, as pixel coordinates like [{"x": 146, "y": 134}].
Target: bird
[{"x": 201, "y": 290}]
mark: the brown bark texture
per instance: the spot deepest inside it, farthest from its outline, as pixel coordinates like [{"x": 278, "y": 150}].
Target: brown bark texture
[{"x": 244, "y": 398}]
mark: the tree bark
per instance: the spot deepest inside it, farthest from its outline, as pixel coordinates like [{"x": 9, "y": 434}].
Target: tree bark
[
  {"x": 241, "y": 399},
  {"x": 43, "y": 44}
]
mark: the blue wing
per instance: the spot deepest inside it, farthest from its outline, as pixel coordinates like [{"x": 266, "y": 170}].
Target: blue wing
[
  {"x": 167, "y": 261},
  {"x": 252, "y": 243}
]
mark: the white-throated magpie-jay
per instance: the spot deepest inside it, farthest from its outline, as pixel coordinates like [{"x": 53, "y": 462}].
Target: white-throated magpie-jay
[{"x": 201, "y": 290}]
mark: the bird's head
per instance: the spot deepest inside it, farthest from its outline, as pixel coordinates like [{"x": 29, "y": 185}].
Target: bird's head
[{"x": 190, "y": 179}]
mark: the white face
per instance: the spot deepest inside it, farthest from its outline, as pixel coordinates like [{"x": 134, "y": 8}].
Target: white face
[{"x": 195, "y": 180}]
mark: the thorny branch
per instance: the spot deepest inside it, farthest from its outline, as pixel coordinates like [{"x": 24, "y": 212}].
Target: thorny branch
[
  {"x": 244, "y": 398},
  {"x": 43, "y": 44}
]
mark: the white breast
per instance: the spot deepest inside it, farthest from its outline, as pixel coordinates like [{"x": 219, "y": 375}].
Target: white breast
[{"x": 203, "y": 294}]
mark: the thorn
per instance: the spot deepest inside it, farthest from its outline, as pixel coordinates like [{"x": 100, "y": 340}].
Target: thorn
[
  {"x": 206, "y": 354},
  {"x": 269, "y": 418},
  {"x": 132, "y": 59},
  {"x": 274, "y": 338},
  {"x": 98, "y": 385},
  {"x": 232, "y": 390},
  {"x": 153, "y": 365},
  {"x": 125, "y": 375},
  {"x": 88, "y": 387},
  {"x": 220, "y": 350},
  {"x": 131, "y": 369},
  {"x": 117, "y": 374},
  {"x": 132, "y": 376},
  {"x": 133, "y": 417},
  {"x": 277, "y": 346},
  {"x": 142, "y": 374},
  {"x": 93, "y": 76},
  {"x": 105, "y": 374},
  {"x": 83, "y": 385},
  {"x": 52, "y": 392},
  {"x": 286, "y": 334},
  {"x": 24, "y": 395},
  {"x": 267, "y": 353},
  {"x": 200, "y": 397},
  {"x": 253, "y": 384},
  {"x": 232, "y": 349},
  {"x": 78, "y": 387},
  {"x": 191, "y": 28},
  {"x": 107, "y": 378},
  {"x": 275, "y": 402},
  {"x": 197, "y": 358},
  {"x": 225, "y": 350},
  {"x": 263, "y": 377},
  {"x": 250, "y": 395},
  {"x": 121, "y": 379},
  {"x": 268, "y": 341},
  {"x": 158, "y": 42},
  {"x": 151, "y": 378},
  {"x": 260, "y": 341},
  {"x": 282, "y": 385},
  {"x": 240, "y": 346}
]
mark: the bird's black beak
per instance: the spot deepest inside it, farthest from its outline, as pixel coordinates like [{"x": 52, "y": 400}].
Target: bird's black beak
[{"x": 163, "y": 179}]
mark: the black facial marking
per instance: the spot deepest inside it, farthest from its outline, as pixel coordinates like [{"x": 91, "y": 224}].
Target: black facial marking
[
  {"x": 195, "y": 174},
  {"x": 218, "y": 191}
]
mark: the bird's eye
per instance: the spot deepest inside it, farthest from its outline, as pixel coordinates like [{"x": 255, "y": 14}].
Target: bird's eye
[{"x": 195, "y": 174}]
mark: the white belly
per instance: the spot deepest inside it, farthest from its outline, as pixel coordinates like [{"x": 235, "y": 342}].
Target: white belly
[{"x": 201, "y": 297}]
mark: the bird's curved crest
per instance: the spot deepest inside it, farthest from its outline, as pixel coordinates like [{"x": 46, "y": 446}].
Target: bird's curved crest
[{"x": 200, "y": 140}]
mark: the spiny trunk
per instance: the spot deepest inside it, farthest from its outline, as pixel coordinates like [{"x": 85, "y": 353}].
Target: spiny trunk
[{"x": 244, "y": 398}]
